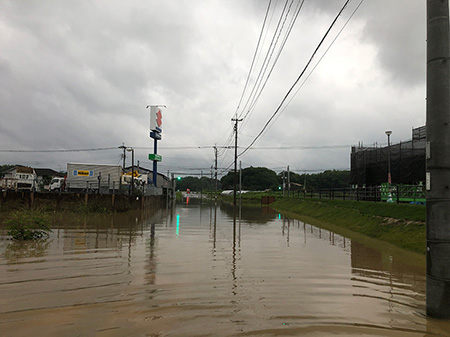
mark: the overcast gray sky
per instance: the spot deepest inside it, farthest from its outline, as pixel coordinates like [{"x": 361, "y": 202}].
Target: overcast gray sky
[{"x": 79, "y": 75}]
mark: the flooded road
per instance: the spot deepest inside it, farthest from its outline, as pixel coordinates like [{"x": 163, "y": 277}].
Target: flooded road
[{"x": 182, "y": 272}]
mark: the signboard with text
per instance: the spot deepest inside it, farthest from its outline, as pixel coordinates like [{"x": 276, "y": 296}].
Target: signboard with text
[
  {"x": 154, "y": 157},
  {"x": 83, "y": 173}
]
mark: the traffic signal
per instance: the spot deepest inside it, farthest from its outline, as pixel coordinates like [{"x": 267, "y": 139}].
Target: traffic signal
[{"x": 178, "y": 178}]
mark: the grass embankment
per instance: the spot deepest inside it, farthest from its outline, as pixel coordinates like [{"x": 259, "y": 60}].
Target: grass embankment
[
  {"x": 250, "y": 199},
  {"x": 402, "y": 225}
]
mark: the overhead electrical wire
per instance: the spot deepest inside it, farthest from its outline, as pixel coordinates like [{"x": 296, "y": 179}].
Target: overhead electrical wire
[
  {"x": 230, "y": 136},
  {"x": 261, "y": 78},
  {"x": 267, "y": 58},
  {"x": 61, "y": 150},
  {"x": 297, "y": 80},
  {"x": 285, "y": 38},
  {"x": 318, "y": 62},
  {"x": 254, "y": 57}
]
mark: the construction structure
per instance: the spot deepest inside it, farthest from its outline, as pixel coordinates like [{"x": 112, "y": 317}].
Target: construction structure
[{"x": 369, "y": 165}]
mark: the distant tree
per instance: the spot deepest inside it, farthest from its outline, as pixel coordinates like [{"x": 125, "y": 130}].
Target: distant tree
[
  {"x": 335, "y": 179},
  {"x": 326, "y": 179},
  {"x": 261, "y": 178},
  {"x": 227, "y": 181},
  {"x": 195, "y": 184},
  {"x": 4, "y": 168},
  {"x": 253, "y": 179}
]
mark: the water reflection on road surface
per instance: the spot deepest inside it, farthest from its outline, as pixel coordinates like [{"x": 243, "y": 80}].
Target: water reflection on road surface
[{"x": 183, "y": 272}]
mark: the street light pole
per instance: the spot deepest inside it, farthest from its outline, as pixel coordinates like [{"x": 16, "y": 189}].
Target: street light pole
[{"x": 388, "y": 133}]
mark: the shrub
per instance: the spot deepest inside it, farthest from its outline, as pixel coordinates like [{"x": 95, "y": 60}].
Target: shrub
[{"x": 28, "y": 225}]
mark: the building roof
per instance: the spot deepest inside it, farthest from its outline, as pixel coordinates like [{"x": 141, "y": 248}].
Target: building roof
[
  {"x": 20, "y": 169},
  {"x": 40, "y": 172}
]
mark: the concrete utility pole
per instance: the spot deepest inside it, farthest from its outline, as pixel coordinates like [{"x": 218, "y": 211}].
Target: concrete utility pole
[
  {"x": 215, "y": 170},
  {"x": 240, "y": 184},
  {"x": 167, "y": 190},
  {"x": 124, "y": 148},
  {"x": 235, "y": 159},
  {"x": 438, "y": 159},
  {"x": 288, "y": 182},
  {"x": 211, "y": 179}
]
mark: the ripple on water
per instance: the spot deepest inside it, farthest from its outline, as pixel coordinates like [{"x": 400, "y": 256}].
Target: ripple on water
[{"x": 185, "y": 276}]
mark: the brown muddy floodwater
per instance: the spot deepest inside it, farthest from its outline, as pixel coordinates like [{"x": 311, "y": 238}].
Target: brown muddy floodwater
[{"x": 182, "y": 272}]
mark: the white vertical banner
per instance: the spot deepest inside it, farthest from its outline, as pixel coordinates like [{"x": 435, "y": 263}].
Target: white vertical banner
[{"x": 156, "y": 114}]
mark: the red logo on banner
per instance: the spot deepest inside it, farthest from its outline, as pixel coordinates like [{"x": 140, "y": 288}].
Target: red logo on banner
[{"x": 159, "y": 118}]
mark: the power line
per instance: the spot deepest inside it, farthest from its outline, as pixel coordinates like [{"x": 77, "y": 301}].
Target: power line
[
  {"x": 267, "y": 58},
  {"x": 61, "y": 150},
  {"x": 292, "y": 147},
  {"x": 285, "y": 38},
  {"x": 318, "y": 62},
  {"x": 295, "y": 147},
  {"x": 229, "y": 139},
  {"x": 298, "y": 78},
  {"x": 254, "y": 95},
  {"x": 254, "y": 56}
]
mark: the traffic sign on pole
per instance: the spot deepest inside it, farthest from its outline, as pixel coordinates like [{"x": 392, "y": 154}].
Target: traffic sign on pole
[{"x": 155, "y": 157}]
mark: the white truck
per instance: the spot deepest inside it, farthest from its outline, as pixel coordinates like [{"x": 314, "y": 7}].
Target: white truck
[
  {"x": 19, "y": 178},
  {"x": 93, "y": 177},
  {"x": 57, "y": 184}
]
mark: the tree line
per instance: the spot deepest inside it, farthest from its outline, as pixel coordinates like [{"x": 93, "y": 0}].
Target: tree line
[{"x": 261, "y": 178}]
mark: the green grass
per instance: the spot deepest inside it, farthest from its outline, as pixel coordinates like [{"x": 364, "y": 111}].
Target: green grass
[
  {"x": 28, "y": 225},
  {"x": 249, "y": 199},
  {"x": 402, "y": 225}
]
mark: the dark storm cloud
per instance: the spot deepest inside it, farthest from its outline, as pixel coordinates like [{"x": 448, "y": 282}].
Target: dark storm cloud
[
  {"x": 398, "y": 29},
  {"x": 78, "y": 74}
]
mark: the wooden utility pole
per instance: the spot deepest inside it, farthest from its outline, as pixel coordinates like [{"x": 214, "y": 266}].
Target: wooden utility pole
[{"x": 438, "y": 160}]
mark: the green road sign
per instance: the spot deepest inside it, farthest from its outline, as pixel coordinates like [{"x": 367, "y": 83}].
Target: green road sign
[{"x": 154, "y": 157}]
